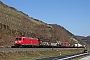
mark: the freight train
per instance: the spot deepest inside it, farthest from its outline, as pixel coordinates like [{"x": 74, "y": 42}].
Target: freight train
[{"x": 36, "y": 43}]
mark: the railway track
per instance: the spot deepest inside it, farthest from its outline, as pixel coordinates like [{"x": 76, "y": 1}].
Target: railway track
[{"x": 32, "y": 49}]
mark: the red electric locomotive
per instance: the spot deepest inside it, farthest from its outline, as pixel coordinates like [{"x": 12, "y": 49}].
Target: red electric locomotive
[{"x": 26, "y": 42}]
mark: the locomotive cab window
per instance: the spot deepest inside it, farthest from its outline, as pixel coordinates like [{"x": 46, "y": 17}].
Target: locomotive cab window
[{"x": 18, "y": 38}]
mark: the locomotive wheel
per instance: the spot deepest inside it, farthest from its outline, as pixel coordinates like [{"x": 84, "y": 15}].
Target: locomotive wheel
[{"x": 17, "y": 46}]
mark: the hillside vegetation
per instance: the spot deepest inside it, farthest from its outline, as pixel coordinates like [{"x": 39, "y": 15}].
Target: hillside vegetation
[{"x": 16, "y": 23}]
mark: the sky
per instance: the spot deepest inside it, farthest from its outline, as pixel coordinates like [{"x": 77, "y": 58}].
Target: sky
[{"x": 74, "y": 15}]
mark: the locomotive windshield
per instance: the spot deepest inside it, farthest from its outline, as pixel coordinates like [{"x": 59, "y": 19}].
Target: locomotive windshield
[{"x": 18, "y": 38}]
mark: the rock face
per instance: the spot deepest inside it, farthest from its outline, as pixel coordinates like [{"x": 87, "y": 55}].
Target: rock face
[{"x": 16, "y": 23}]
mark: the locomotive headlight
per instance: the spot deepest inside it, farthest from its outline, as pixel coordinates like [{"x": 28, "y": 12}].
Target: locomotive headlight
[
  {"x": 15, "y": 41},
  {"x": 19, "y": 41}
]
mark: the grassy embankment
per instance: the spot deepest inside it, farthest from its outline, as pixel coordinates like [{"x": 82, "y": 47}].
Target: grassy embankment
[{"x": 32, "y": 55}]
